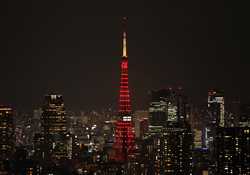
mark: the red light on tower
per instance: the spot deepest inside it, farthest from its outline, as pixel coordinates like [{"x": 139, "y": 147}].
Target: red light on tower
[
  {"x": 124, "y": 97},
  {"x": 124, "y": 65},
  {"x": 124, "y": 133}
]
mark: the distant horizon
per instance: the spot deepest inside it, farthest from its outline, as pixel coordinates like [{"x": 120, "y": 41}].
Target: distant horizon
[{"x": 202, "y": 102}]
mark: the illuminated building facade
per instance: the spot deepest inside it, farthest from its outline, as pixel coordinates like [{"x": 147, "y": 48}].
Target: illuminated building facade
[
  {"x": 167, "y": 107},
  {"x": 124, "y": 132},
  {"x": 213, "y": 120},
  {"x": 168, "y": 144},
  {"x": 6, "y": 132},
  {"x": 158, "y": 110},
  {"x": 168, "y": 151},
  {"x": 233, "y": 151},
  {"x": 216, "y": 106},
  {"x": 54, "y": 127}
]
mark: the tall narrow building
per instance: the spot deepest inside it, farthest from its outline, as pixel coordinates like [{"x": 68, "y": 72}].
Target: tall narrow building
[
  {"x": 124, "y": 132},
  {"x": 212, "y": 122},
  {"x": 6, "y": 133},
  {"x": 54, "y": 127},
  {"x": 216, "y": 107}
]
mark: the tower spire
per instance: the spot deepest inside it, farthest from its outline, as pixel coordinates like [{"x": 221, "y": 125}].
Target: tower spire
[
  {"x": 124, "y": 133},
  {"x": 124, "y": 98},
  {"x": 124, "y": 38}
]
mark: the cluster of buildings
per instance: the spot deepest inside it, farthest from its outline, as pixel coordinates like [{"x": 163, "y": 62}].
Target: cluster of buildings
[{"x": 171, "y": 137}]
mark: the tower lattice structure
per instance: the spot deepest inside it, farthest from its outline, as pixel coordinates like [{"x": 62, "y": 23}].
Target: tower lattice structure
[{"x": 124, "y": 133}]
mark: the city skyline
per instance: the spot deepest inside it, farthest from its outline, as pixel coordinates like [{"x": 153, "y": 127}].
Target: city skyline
[
  {"x": 58, "y": 48},
  {"x": 124, "y": 88}
]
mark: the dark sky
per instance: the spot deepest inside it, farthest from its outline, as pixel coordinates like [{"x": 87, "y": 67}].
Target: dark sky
[{"x": 74, "y": 48}]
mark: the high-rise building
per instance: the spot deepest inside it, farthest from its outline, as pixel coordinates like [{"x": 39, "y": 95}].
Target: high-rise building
[
  {"x": 200, "y": 154},
  {"x": 168, "y": 151},
  {"x": 158, "y": 110},
  {"x": 124, "y": 132},
  {"x": 216, "y": 106},
  {"x": 168, "y": 144},
  {"x": 214, "y": 119},
  {"x": 167, "y": 107},
  {"x": 54, "y": 127},
  {"x": 6, "y": 133},
  {"x": 227, "y": 137},
  {"x": 233, "y": 150},
  {"x": 229, "y": 151}
]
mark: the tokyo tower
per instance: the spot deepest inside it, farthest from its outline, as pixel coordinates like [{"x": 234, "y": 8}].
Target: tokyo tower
[{"x": 124, "y": 133}]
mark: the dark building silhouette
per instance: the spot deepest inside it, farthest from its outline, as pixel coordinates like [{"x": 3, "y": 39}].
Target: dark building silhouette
[
  {"x": 39, "y": 146},
  {"x": 244, "y": 119}
]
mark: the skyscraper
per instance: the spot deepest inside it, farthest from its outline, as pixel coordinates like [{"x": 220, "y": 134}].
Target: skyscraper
[
  {"x": 213, "y": 120},
  {"x": 168, "y": 144},
  {"x": 124, "y": 132},
  {"x": 167, "y": 107},
  {"x": 158, "y": 110},
  {"x": 6, "y": 132},
  {"x": 54, "y": 127},
  {"x": 216, "y": 106},
  {"x": 232, "y": 146},
  {"x": 233, "y": 150}
]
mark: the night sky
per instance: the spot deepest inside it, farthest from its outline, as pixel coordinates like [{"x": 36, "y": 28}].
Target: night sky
[{"x": 74, "y": 48}]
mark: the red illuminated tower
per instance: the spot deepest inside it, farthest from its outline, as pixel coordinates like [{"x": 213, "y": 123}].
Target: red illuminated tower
[{"x": 124, "y": 133}]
